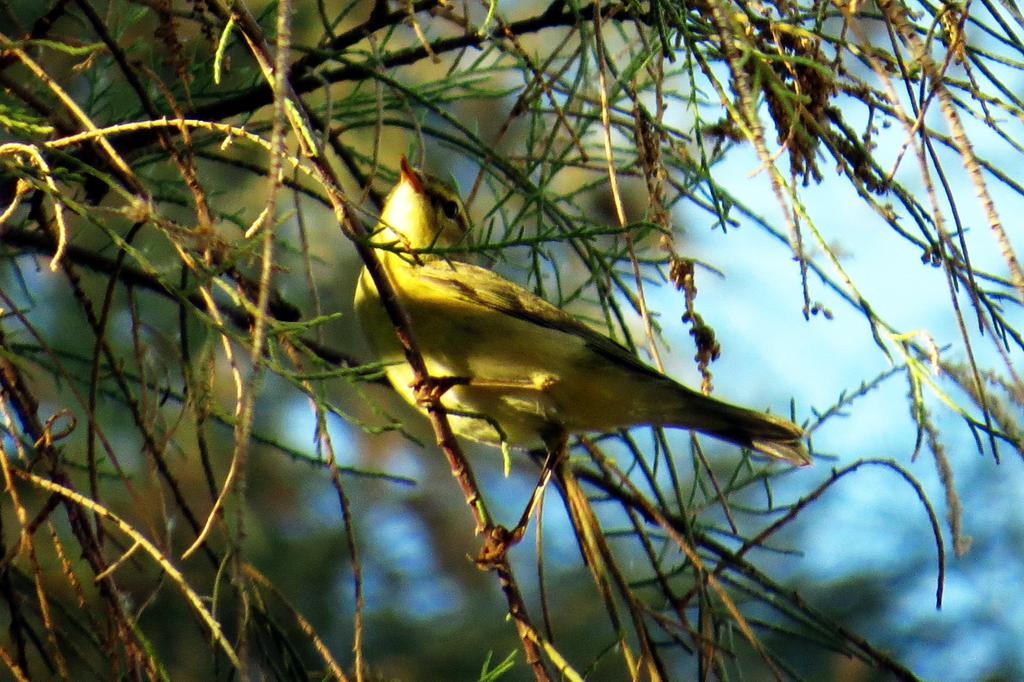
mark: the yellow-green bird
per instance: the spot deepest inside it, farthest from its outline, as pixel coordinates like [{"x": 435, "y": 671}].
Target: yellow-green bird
[{"x": 522, "y": 371}]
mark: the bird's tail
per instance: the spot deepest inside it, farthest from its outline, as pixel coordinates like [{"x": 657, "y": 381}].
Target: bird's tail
[{"x": 770, "y": 435}]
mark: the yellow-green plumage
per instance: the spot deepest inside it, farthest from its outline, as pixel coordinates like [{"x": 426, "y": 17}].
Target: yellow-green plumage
[{"x": 532, "y": 371}]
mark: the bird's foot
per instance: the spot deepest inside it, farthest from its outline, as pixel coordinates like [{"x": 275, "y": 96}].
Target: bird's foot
[
  {"x": 498, "y": 541},
  {"x": 429, "y": 390}
]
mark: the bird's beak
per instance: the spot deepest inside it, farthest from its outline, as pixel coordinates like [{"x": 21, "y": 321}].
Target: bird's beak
[{"x": 410, "y": 176}]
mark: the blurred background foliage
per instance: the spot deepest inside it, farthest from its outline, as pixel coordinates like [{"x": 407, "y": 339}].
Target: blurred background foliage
[{"x": 205, "y": 479}]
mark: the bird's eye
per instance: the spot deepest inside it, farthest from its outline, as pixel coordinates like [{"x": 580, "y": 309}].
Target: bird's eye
[{"x": 450, "y": 208}]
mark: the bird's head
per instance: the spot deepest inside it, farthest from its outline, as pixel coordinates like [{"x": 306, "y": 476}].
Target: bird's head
[{"x": 422, "y": 213}]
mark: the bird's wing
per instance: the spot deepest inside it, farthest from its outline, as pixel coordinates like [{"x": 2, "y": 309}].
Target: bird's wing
[{"x": 481, "y": 287}]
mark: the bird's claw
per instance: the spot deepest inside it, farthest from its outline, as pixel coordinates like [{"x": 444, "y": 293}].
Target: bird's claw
[
  {"x": 428, "y": 391},
  {"x": 496, "y": 545}
]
